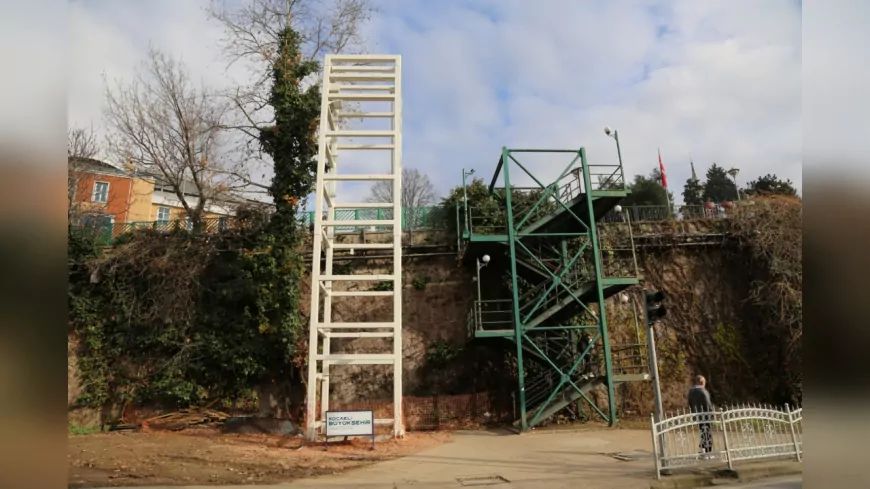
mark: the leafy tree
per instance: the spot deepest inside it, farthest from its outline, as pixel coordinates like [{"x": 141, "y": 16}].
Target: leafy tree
[
  {"x": 486, "y": 210},
  {"x": 648, "y": 191},
  {"x": 770, "y": 185},
  {"x": 719, "y": 187},
  {"x": 292, "y": 144}
]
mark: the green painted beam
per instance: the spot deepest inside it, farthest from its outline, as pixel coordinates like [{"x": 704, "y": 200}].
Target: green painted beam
[
  {"x": 495, "y": 333},
  {"x": 602, "y": 310},
  {"x": 489, "y": 238},
  {"x": 609, "y": 193}
]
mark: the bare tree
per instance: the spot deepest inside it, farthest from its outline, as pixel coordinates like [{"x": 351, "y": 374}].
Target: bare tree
[
  {"x": 252, "y": 35},
  {"x": 81, "y": 146},
  {"x": 417, "y": 193},
  {"x": 82, "y": 142},
  {"x": 160, "y": 124},
  {"x": 253, "y": 29}
]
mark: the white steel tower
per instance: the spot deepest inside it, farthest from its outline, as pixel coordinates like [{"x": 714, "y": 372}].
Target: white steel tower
[{"x": 373, "y": 84}]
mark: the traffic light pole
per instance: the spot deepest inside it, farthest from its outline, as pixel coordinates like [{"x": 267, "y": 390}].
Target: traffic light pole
[{"x": 654, "y": 368}]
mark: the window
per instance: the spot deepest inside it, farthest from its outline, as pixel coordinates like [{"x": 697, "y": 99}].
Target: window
[
  {"x": 101, "y": 192},
  {"x": 164, "y": 214}
]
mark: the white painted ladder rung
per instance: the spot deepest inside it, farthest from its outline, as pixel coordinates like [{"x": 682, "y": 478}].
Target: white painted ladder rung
[
  {"x": 362, "y": 58},
  {"x": 356, "y": 325},
  {"x": 368, "y": 88},
  {"x": 363, "y": 205},
  {"x": 363, "y": 97},
  {"x": 364, "y": 334},
  {"x": 357, "y": 278},
  {"x": 362, "y": 246},
  {"x": 360, "y": 133},
  {"x": 358, "y": 359},
  {"x": 363, "y": 69},
  {"x": 361, "y": 293},
  {"x": 366, "y": 146},
  {"x": 358, "y": 178},
  {"x": 363, "y": 115},
  {"x": 362, "y": 77},
  {"x": 359, "y": 223}
]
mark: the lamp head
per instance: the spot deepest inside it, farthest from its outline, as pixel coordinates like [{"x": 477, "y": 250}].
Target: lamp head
[
  {"x": 485, "y": 259},
  {"x": 608, "y": 130},
  {"x": 618, "y": 209}
]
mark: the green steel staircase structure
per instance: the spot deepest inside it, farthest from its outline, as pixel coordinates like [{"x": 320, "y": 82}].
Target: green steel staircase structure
[{"x": 545, "y": 241}]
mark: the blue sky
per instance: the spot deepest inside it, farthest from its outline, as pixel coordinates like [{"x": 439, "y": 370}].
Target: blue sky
[{"x": 718, "y": 80}]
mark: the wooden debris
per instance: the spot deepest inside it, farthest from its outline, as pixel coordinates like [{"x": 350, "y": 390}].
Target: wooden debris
[{"x": 184, "y": 418}]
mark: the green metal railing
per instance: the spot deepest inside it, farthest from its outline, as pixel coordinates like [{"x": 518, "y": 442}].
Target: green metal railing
[
  {"x": 413, "y": 219},
  {"x": 105, "y": 231},
  {"x": 653, "y": 213},
  {"x": 491, "y": 220}
]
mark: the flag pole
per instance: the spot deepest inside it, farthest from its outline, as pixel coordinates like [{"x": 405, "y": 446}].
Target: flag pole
[{"x": 664, "y": 177}]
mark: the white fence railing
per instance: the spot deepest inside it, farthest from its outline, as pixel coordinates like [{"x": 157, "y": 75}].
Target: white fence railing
[{"x": 748, "y": 432}]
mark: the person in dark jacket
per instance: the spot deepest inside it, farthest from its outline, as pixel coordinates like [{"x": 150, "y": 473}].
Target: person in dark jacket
[{"x": 699, "y": 402}]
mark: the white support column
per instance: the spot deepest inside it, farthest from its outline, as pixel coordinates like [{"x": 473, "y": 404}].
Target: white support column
[
  {"x": 364, "y": 79},
  {"x": 327, "y": 300},
  {"x": 398, "y": 426}
]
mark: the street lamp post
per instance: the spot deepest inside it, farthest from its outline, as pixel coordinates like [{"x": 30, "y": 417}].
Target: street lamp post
[
  {"x": 465, "y": 197},
  {"x": 481, "y": 262},
  {"x": 615, "y": 135},
  {"x": 733, "y": 172}
]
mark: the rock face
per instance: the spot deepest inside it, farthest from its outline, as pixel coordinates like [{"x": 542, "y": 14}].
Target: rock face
[{"x": 710, "y": 328}]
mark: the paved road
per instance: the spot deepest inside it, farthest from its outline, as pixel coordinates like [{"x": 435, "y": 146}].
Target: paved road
[{"x": 791, "y": 482}]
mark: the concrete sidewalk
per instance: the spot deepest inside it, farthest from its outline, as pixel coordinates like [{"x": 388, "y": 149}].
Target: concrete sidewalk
[{"x": 538, "y": 460}]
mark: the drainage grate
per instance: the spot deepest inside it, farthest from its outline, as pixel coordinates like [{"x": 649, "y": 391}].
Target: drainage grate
[{"x": 487, "y": 480}]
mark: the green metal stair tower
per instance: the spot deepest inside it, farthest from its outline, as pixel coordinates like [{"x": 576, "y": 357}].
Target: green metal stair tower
[{"x": 557, "y": 278}]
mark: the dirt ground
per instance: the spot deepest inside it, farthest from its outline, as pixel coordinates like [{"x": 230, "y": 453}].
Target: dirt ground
[{"x": 208, "y": 457}]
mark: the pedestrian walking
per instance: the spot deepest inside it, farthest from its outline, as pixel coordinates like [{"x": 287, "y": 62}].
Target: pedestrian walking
[{"x": 699, "y": 403}]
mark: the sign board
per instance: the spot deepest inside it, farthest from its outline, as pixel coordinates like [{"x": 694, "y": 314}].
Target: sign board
[{"x": 350, "y": 423}]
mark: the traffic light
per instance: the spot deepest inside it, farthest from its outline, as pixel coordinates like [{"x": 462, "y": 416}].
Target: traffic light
[{"x": 655, "y": 310}]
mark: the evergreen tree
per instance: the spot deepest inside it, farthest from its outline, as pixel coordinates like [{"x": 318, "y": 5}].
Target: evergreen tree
[
  {"x": 693, "y": 190},
  {"x": 719, "y": 187},
  {"x": 648, "y": 190},
  {"x": 770, "y": 185}
]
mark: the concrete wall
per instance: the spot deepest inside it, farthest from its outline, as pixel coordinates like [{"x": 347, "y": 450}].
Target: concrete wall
[
  {"x": 141, "y": 193},
  {"x": 118, "y": 200}
]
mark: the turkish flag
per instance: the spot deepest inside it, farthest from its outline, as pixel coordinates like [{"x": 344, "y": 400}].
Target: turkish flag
[{"x": 662, "y": 169}]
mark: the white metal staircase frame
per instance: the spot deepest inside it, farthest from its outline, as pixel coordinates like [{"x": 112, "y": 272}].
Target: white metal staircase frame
[{"x": 362, "y": 79}]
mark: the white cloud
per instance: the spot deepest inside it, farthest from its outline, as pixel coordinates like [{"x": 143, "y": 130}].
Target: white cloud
[{"x": 718, "y": 80}]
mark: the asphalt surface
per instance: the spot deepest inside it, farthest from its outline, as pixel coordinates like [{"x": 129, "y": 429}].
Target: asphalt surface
[{"x": 790, "y": 482}]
